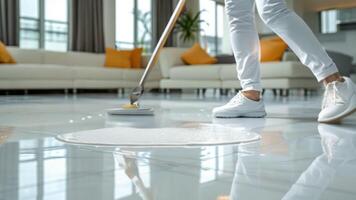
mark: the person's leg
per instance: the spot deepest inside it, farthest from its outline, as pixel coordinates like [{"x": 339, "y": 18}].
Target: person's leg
[
  {"x": 294, "y": 31},
  {"x": 245, "y": 45},
  {"x": 340, "y": 96}
]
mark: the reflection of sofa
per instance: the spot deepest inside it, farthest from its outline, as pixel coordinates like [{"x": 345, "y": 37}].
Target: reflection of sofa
[
  {"x": 39, "y": 69},
  {"x": 287, "y": 74}
]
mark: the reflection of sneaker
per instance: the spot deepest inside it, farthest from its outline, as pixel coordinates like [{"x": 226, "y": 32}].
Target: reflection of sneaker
[
  {"x": 338, "y": 142},
  {"x": 339, "y": 101},
  {"x": 240, "y": 106},
  {"x": 243, "y": 124}
]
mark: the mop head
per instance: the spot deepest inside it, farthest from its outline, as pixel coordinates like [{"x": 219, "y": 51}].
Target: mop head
[
  {"x": 130, "y": 106},
  {"x": 131, "y": 109}
]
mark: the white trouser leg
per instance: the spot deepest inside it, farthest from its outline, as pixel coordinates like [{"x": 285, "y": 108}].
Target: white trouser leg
[
  {"x": 294, "y": 31},
  {"x": 245, "y": 42}
]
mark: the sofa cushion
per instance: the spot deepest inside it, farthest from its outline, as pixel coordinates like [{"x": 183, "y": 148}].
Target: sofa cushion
[
  {"x": 86, "y": 59},
  {"x": 5, "y": 56},
  {"x": 272, "y": 70},
  {"x": 35, "y": 71},
  {"x": 272, "y": 49},
  {"x": 136, "y": 74},
  {"x": 90, "y": 73},
  {"x": 196, "y": 72},
  {"x": 170, "y": 57},
  {"x": 57, "y": 58},
  {"x": 26, "y": 56},
  {"x": 117, "y": 58},
  {"x": 286, "y": 69},
  {"x": 132, "y": 74},
  {"x": 197, "y": 56},
  {"x": 228, "y": 72}
]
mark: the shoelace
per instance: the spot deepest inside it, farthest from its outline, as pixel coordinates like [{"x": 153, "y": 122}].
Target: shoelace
[{"x": 332, "y": 95}]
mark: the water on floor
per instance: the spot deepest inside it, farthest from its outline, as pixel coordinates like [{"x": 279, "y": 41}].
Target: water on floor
[{"x": 295, "y": 158}]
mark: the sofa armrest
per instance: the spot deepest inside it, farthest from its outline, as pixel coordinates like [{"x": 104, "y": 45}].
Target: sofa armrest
[{"x": 169, "y": 58}]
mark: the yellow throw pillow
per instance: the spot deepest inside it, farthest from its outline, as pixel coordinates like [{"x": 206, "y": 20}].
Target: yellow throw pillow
[
  {"x": 117, "y": 59},
  {"x": 120, "y": 58},
  {"x": 197, "y": 56},
  {"x": 5, "y": 56},
  {"x": 272, "y": 49},
  {"x": 136, "y": 58}
]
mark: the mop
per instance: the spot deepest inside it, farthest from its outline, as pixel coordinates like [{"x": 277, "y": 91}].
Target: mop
[{"x": 134, "y": 108}]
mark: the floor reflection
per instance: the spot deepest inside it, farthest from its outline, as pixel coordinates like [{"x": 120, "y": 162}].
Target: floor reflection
[
  {"x": 296, "y": 158},
  {"x": 252, "y": 181}
]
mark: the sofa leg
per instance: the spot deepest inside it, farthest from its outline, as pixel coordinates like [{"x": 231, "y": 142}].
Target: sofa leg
[
  {"x": 281, "y": 92},
  {"x": 26, "y": 92},
  {"x": 274, "y": 92},
  {"x": 284, "y": 92},
  {"x": 66, "y": 91},
  {"x": 75, "y": 91},
  {"x": 204, "y": 91}
]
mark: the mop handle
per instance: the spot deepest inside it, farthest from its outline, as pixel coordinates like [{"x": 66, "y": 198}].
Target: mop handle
[{"x": 162, "y": 41}]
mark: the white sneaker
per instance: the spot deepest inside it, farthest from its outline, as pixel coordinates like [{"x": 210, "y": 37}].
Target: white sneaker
[
  {"x": 240, "y": 106},
  {"x": 339, "y": 101}
]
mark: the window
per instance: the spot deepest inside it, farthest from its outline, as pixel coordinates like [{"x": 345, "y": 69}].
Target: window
[
  {"x": 333, "y": 21},
  {"x": 328, "y": 19},
  {"x": 44, "y": 24},
  {"x": 214, "y": 35},
  {"x": 134, "y": 24}
]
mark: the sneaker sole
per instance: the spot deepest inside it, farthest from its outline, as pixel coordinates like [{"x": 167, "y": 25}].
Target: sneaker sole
[
  {"x": 348, "y": 112},
  {"x": 247, "y": 115}
]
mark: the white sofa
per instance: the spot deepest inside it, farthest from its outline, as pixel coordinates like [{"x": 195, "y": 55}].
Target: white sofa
[
  {"x": 39, "y": 69},
  {"x": 287, "y": 74}
]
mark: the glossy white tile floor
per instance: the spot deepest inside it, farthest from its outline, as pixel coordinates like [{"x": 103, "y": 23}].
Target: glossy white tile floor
[{"x": 295, "y": 159}]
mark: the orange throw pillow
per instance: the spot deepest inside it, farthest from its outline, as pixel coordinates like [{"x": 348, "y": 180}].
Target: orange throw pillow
[
  {"x": 197, "y": 56},
  {"x": 5, "y": 56},
  {"x": 117, "y": 59},
  {"x": 124, "y": 58},
  {"x": 136, "y": 58},
  {"x": 272, "y": 49}
]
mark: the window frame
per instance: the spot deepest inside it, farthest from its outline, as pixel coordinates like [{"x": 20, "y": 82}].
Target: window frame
[
  {"x": 42, "y": 24},
  {"x": 215, "y": 48},
  {"x": 135, "y": 25}
]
